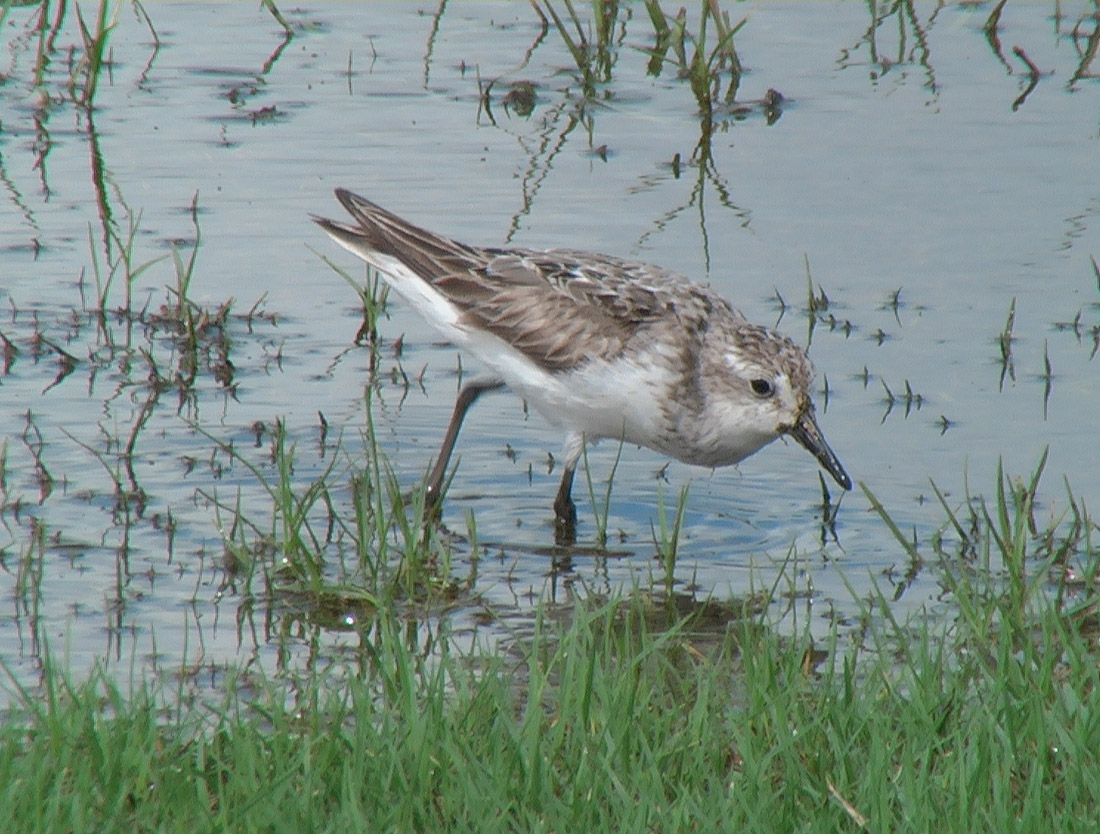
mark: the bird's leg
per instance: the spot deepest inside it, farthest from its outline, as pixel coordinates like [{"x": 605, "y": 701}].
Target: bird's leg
[
  {"x": 433, "y": 494},
  {"x": 565, "y": 511}
]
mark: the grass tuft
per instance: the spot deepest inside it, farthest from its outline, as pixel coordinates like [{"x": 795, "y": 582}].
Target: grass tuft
[
  {"x": 709, "y": 62},
  {"x": 92, "y": 61},
  {"x": 606, "y": 717}
]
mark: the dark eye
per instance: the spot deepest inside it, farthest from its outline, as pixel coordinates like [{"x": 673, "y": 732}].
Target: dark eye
[{"x": 762, "y": 387}]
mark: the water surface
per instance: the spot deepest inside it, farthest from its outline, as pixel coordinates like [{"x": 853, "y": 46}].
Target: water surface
[{"x": 910, "y": 173}]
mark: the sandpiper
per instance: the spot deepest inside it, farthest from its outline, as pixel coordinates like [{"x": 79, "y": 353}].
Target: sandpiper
[{"x": 600, "y": 346}]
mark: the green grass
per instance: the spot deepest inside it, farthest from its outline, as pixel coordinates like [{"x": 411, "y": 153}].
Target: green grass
[
  {"x": 95, "y": 52},
  {"x": 350, "y": 537},
  {"x": 624, "y": 715},
  {"x": 707, "y": 60}
]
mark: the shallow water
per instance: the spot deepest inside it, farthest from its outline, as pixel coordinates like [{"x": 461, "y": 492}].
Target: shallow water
[{"x": 926, "y": 198}]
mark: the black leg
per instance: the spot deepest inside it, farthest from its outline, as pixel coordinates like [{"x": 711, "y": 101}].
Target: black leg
[
  {"x": 433, "y": 495},
  {"x": 565, "y": 511}
]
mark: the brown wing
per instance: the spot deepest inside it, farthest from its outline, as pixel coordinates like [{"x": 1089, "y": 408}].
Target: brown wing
[
  {"x": 377, "y": 230},
  {"x": 559, "y": 307}
]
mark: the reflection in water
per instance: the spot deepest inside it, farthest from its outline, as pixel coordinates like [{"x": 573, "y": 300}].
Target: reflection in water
[
  {"x": 705, "y": 58},
  {"x": 900, "y": 23},
  {"x": 893, "y": 25},
  {"x": 1086, "y": 41},
  {"x": 108, "y": 227},
  {"x": 106, "y": 515}
]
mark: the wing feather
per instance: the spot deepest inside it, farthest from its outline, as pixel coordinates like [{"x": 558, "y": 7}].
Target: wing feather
[{"x": 560, "y": 308}]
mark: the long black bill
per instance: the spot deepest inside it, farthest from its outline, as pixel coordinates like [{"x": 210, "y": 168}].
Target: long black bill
[{"x": 809, "y": 435}]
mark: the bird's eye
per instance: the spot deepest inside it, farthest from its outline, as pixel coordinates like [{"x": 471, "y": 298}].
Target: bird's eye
[{"x": 762, "y": 387}]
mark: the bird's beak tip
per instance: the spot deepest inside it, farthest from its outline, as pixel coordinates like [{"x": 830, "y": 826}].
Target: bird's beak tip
[{"x": 809, "y": 436}]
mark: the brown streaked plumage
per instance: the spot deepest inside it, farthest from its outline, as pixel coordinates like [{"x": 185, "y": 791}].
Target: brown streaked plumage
[{"x": 601, "y": 346}]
